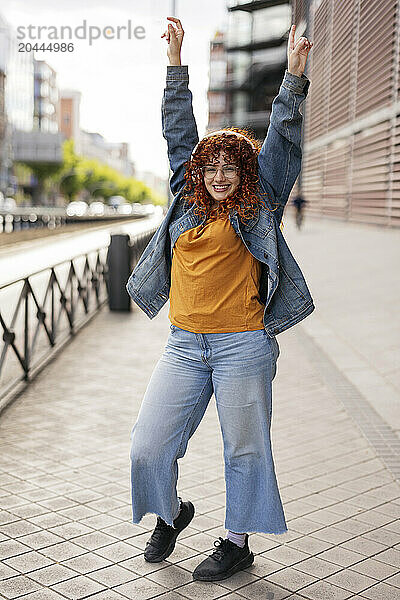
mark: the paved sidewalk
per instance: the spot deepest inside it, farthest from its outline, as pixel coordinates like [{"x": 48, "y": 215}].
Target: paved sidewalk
[
  {"x": 354, "y": 275},
  {"x": 65, "y": 529}
]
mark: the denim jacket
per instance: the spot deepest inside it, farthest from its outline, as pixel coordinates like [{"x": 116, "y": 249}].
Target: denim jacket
[{"x": 283, "y": 288}]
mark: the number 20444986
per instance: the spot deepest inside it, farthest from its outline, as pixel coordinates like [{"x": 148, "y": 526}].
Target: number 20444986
[{"x": 50, "y": 47}]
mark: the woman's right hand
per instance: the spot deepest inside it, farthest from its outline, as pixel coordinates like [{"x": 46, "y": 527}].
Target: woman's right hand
[{"x": 174, "y": 37}]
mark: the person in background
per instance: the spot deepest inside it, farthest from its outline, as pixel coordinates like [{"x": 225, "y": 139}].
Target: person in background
[{"x": 299, "y": 202}]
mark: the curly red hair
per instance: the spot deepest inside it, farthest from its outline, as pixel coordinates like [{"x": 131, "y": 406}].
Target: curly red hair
[{"x": 241, "y": 150}]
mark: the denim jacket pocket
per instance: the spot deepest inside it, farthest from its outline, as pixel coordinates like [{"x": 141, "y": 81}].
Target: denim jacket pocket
[
  {"x": 261, "y": 229},
  {"x": 262, "y": 225}
]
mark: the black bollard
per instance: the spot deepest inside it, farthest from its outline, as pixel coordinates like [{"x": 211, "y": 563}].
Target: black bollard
[{"x": 119, "y": 269}]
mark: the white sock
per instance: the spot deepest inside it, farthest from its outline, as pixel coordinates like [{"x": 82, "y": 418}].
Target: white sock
[{"x": 237, "y": 538}]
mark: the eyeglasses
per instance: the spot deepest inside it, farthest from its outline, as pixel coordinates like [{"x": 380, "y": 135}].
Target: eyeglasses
[{"x": 229, "y": 171}]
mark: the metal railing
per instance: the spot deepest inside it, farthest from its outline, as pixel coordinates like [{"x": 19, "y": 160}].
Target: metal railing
[
  {"x": 33, "y": 217},
  {"x": 40, "y": 313}
]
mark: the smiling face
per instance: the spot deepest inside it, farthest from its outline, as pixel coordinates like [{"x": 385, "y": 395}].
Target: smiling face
[{"x": 221, "y": 186}]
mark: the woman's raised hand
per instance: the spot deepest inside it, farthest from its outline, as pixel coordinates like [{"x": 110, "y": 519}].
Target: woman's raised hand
[
  {"x": 297, "y": 53},
  {"x": 174, "y": 37}
]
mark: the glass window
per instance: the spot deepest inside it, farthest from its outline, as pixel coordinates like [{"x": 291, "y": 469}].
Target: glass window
[
  {"x": 239, "y": 64},
  {"x": 49, "y": 108},
  {"x": 217, "y": 103},
  {"x": 217, "y": 72},
  {"x": 239, "y": 103},
  {"x": 44, "y": 89},
  {"x": 53, "y": 96},
  {"x": 272, "y": 22},
  {"x": 239, "y": 28},
  {"x": 271, "y": 57},
  {"x": 19, "y": 87}
]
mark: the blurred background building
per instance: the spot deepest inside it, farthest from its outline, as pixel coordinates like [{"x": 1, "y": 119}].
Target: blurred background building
[
  {"x": 69, "y": 115},
  {"x": 351, "y": 164},
  {"x": 16, "y": 101},
  {"x": 36, "y": 117},
  {"x": 45, "y": 97},
  {"x": 252, "y": 57},
  {"x": 88, "y": 143},
  {"x": 351, "y": 151},
  {"x": 218, "y": 98},
  {"x": 155, "y": 182},
  {"x": 116, "y": 155}
]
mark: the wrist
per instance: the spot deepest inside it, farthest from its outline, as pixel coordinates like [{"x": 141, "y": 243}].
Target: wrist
[
  {"x": 295, "y": 83},
  {"x": 296, "y": 73},
  {"x": 175, "y": 61},
  {"x": 177, "y": 73}
]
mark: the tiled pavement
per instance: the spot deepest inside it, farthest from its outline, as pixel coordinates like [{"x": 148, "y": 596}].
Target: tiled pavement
[
  {"x": 65, "y": 529},
  {"x": 353, "y": 272}
]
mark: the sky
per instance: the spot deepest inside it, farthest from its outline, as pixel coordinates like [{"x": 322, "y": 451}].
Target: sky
[{"x": 122, "y": 81}]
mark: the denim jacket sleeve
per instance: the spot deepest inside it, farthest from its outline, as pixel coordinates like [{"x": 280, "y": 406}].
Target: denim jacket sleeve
[
  {"x": 279, "y": 161},
  {"x": 178, "y": 123}
]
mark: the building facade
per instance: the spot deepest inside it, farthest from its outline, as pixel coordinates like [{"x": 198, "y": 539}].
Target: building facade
[
  {"x": 46, "y": 98},
  {"x": 113, "y": 154},
  {"x": 16, "y": 101},
  {"x": 88, "y": 143},
  {"x": 351, "y": 156},
  {"x": 256, "y": 55},
  {"x": 69, "y": 116},
  {"x": 217, "y": 95}
]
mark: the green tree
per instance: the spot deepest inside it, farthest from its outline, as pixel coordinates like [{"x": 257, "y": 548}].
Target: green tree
[
  {"x": 79, "y": 175},
  {"x": 42, "y": 172}
]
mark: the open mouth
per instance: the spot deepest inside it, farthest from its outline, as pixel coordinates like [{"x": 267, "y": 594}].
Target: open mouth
[{"x": 221, "y": 188}]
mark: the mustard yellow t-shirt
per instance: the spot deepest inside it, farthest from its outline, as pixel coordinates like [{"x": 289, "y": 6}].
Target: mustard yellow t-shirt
[{"x": 214, "y": 281}]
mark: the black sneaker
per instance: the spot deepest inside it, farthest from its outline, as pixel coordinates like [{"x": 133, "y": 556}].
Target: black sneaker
[
  {"x": 226, "y": 560},
  {"x": 162, "y": 541}
]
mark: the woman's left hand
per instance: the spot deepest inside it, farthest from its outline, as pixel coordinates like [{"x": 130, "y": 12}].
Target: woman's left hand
[{"x": 297, "y": 53}]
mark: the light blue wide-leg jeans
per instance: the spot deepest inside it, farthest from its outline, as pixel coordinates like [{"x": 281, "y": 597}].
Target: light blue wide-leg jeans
[{"x": 239, "y": 368}]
